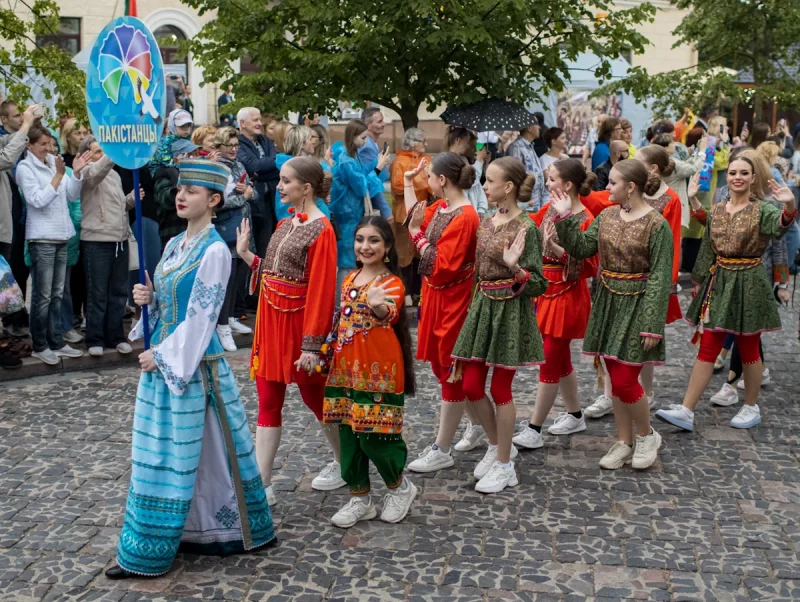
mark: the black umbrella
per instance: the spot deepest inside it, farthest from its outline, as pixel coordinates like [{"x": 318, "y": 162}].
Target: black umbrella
[{"x": 489, "y": 115}]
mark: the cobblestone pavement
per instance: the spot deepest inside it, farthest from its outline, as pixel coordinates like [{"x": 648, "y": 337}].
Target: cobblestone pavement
[{"x": 717, "y": 518}]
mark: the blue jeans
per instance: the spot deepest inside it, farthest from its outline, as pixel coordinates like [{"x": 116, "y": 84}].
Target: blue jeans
[
  {"x": 66, "y": 303},
  {"x": 48, "y": 271},
  {"x": 106, "y": 265},
  {"x": 152, "y": 253}
]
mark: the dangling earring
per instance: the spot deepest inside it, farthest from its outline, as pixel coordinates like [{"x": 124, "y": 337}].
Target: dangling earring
[
  {"x": 386, "y": 259},
  {"x": 503, "y": 210},
  {"x": 626, "y": 206},
  {"x": 303, "y": 216}
]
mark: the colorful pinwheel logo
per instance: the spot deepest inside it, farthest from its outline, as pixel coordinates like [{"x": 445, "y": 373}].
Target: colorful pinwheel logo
[{"x": 125, "y": 51}]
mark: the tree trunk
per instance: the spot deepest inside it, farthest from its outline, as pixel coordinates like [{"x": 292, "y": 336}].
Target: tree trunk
[{"x": 410, "y": 116}]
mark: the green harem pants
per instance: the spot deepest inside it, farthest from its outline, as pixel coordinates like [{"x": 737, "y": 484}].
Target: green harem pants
[{"x": 387, "y": 452}]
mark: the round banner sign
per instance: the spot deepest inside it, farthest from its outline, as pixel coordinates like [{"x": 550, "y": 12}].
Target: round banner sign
[{"x": 125, "y": 92}]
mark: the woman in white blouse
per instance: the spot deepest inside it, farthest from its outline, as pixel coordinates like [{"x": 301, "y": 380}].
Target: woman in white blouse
[{"x": 47, "y": 188}]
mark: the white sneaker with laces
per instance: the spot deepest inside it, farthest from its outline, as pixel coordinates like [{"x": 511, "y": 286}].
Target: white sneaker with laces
[
  {"x": 432, "y": 459},
  {"x": 748, "y": 417},
  {"x": 566, "y": 424},
  {"x": 677, "y": 415},
  {"x": 238, "y": 328},
  {"x": 226, "y": 338},
  {"x": 397, "y": 503},
  {"x": 473, "y": 436},
  {"x": 48, "y": 356},
  {"x": 601, "y": 406},
  {"x": 124, "y": 348},
  {"x": 646, "y": 450},
  {"x": 358, "y": 508},
  {"x": 67, "y": 351},
  {"x": 528, "y": 438},
  {"x": 96, "y": 351},
  {"x": 485, "y": 465},
  {"x": 766, "y": 379},
  {"x": 329, "y": 478},
  {"x": 498, "y": 478},
  {"x": 271, "y": 499},
  {"x": 726, "y": 396},
  {"x": 620, "y": 454},
  {"x": 72, "y": 336}
]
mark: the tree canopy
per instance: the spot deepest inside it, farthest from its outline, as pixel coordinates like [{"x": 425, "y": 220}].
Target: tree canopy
[
  {"x": 401, "y": 54},
  {"x": 740, "y": 41},
  {"x": 22, "y": 53}
]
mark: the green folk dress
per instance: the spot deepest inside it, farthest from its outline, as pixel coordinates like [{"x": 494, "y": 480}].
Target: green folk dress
[
  {"x": 501, "y": 328},
  {"x": 635, "y": 282},
  {"x": 735, "y": 294}
]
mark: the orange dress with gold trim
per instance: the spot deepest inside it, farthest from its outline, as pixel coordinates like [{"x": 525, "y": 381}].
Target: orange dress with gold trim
[
  {"x": 668, "y": 204},
  {"x": 563, "y": 310},
  {"x": 448, "y": 267},
  {"x": 297, "y": 284}
]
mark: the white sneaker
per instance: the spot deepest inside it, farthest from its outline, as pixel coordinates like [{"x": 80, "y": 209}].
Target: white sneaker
[
  {"x": 271, "y": 499},
  {"x": 748, "y": 417},
  {"x": 226, "y": 338},
  {"x": 358, "y": 508},
  {"x": 566, "y": 424},
  {"x": 601, "y": 406},
  {"x": 766, "y": 379},
  {"x": 620, "y": 454},
  {"x": 96, "y": 351},
  {"x": 677, "y": 415},
  {"x": 651, "y": 401},
  {"x": 67, "y": 351},
  {"x": 238, "y": 328},
  {"x": 646, "y": 450},
  {"x": 528, "y": 438},
  {"x": 72, "y": 336},
  {"x": 124, "y": 348},
  {"x": 485, "y": 465},
  {"x": 726, "y": 396},
  {"x": 431, "y": 460},
  {"x": 498, "y": 478},
  {"x": 329, "y": 478},
  {"x": 48, "y": 356},
  {"x": 397, "y": 503},
  {"x": 473, "y": 436},
  {"x": 83, "y": 324}
]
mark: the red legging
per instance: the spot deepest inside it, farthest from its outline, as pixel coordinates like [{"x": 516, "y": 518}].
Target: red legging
[
  {"x": 451, "y": 392},
  {"x": 625, "y": 381},
  {"x": 271, "y": 395},
  {"x": 711, "y": 344},
  {"x": 557, "y": 360},
  {"x": 475, "y": 383}
]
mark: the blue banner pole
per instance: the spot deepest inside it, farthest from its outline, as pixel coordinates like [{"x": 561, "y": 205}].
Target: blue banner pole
[{"x": 140, "y": 245}]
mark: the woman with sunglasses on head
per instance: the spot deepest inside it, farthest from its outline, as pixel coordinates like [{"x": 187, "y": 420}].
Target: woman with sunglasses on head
[{"x": 733, "y": 293}]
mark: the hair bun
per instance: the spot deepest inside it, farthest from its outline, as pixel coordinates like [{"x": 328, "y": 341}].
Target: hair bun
[
  {"x": 669, "y": 169},
  {"x": 652, "y": 186},
  {"x": 525, "y": 191},
  {"x": 587, "y": 185},
  {"x": 466, "y": 176}
]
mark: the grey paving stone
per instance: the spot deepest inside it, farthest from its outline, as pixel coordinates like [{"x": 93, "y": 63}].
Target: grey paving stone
[{"x": 630, "y": 583}]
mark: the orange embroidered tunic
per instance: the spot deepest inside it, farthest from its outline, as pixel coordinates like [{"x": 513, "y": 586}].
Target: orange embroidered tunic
[
  {"x": 596, "y": 201},
  {"x": 667, "y": 202},
  {"x": 366, "y": 383},
  {"x": 448, "y": 269},
  {"x": 563, "y": 310},
  {"x": 297, "y": 283}
]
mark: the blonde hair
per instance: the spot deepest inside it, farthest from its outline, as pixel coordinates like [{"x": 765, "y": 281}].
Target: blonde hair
[
  {"x": 761, "y": 172},
  {"x": 203, "y": 132},
  {"x": 296, "y": 139},
  {"x": 769, "y": 150},
  {"x": 70, "y": 125},
  {"x": 282, "y": 129},
  {"x": 223, "y": 136}
]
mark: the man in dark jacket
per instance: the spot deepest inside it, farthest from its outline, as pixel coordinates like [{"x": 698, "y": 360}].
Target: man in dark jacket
[
  {"x": 618, "y": 151},
  {"x": 257, "y": 154}
]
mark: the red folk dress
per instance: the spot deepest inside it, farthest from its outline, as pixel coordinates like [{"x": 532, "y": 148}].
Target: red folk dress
[
  {"x": 563, "y": 310},
  {"x": 667, "y": 202},
  {"x": 596, "y": 201},
  {"x": 297, "y": 280},
  {"x": 448, "y": 267}
]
